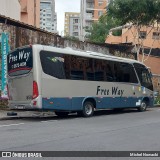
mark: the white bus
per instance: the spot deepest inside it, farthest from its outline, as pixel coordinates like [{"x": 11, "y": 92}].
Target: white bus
[{"x": 65, "y": 80}]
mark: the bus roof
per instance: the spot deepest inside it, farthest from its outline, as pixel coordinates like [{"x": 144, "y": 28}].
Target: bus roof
[{"x": 90, "y": 54}]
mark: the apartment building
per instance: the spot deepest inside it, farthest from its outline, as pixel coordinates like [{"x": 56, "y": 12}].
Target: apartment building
[
  {"x": 48, "y": 16},
  {"x": 10, "y": 8},
  {"x": 91, "y": 10},
  {"x": 72, "y": 24},
  {"x": 148, "y": 36},
  {"x": 30, "y": 12}
]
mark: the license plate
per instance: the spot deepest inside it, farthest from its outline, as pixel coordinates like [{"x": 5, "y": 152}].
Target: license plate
[{"x": 20, "y": 107}]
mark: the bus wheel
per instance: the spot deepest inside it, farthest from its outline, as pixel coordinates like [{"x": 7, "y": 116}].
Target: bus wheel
[
  {"x": 143, "y": 106},
  {"x": 62, "y": 114},
  {"x": 88, "y": 109}
]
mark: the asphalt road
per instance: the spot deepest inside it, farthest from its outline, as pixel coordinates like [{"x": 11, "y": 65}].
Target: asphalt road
[{"x": 106, "y": 131}]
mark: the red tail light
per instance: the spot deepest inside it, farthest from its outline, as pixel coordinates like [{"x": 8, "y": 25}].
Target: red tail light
[{"x": 35, "y": 90}]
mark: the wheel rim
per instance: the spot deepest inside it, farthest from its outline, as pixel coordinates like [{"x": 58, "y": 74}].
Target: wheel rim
[
  {"x": 88, "y": 109},
  {"x": 143, "y": 106}
]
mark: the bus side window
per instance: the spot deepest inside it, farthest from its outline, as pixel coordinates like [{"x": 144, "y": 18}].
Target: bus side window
[
  {"x": 126, "y": 77},
  {"x": 67, "y": 63},
  {"x": 109, "y": 73},
  {"x": 77, "y": 75},
  {"x": 99, "y": 70},
  {"x": 117, "y": 74},
  {"x": 90, "y": 70},
  {"x": 77, "y": 68}
]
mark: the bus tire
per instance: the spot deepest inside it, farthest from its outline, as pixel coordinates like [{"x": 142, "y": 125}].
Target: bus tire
[
  {"x": 143, "y": 106},
  {"x": 88, "y": 109},
  {"x": 61, "y": 114}
]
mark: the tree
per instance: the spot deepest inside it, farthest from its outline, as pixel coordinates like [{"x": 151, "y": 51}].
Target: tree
[
  {"x": 139, "y": 13},
  {"x": 72, "y": 38},
  {"x": 99, "y": 30}
]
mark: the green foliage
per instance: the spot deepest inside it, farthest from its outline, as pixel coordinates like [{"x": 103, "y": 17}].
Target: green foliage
[
  {"x": 137, "y": 12},
  {"x": 157, "y": 100},
  {"x": 99, "y": 30},
  {"x": 120, "y": 12},
  {"x": 72, "y": 38}
]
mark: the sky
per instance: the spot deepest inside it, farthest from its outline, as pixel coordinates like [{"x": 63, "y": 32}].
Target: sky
[{"x": 62, "y": 6}]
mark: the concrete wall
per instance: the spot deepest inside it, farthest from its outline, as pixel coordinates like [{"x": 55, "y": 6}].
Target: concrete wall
[
  {"x": 152, "y": 62},
  {"x": 10, "y": 8},
  {"x": 19, "y": 37},
  {"x": 78, "y": 45}
]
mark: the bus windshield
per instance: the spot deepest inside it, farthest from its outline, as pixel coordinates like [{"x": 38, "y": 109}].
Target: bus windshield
[
  {"x": 20, "y": 61},
  {"x": 144, "y": 76}
]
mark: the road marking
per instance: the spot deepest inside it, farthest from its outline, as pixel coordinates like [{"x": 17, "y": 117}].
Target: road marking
[
  {"x": 49, "y": 121},
  {"x": 8, "y": 125}
]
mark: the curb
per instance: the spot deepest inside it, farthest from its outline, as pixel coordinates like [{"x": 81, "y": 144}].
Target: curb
[
  {"x": 157, "y": 105},
  {"x": 10, "y": 118},
  {"x": 23, "y": 117},
  {"x": 14, "y": 114}
]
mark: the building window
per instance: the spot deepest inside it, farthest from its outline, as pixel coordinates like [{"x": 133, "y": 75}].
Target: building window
[
  {"x": 75, "y": 27},
  {"x": 100, "y": 3},
  {"x": 75, "y": 34},
  {"x": 156, "y": 35},
  {"x": 142, "y": 34},
  {"x": 75, "y": 21}
]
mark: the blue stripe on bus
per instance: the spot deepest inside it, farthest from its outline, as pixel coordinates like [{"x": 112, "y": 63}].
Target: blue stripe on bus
[{"x": 76, "y": 103}]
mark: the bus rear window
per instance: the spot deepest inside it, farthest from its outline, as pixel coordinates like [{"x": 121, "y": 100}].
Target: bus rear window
[{"x": 20, "y": 62}]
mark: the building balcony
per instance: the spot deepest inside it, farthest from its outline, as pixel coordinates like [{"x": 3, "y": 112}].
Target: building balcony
[
  {"x": 89, "y": 16},
  {"x": 90, "y": 6},
  {"x": 75, "y": 30}
]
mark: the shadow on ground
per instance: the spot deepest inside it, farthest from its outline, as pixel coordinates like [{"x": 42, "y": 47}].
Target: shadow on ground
[{"x": 74, "y": 115}]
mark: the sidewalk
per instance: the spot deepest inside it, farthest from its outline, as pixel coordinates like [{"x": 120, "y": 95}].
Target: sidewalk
[{"x": 6, "y": 114}]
